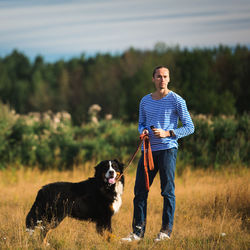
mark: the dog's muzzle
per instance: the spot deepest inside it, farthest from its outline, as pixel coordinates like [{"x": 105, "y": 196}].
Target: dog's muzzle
[{"x": 111, "y": 177}]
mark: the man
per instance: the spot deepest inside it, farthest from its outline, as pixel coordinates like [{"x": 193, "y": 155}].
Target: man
[{"x": 159, "y": 113}]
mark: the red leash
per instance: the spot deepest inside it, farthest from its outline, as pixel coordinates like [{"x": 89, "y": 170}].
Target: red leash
[{"x": 148, "y": 158}]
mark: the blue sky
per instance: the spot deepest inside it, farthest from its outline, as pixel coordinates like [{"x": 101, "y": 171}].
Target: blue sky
[{"x": 60, "y": 29}]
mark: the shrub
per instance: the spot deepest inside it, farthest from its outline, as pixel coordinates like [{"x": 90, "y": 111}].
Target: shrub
[{"x": 51, "y": 141}]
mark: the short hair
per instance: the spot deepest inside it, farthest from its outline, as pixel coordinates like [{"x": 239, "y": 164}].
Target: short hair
[{"x": 159, "y": 67}]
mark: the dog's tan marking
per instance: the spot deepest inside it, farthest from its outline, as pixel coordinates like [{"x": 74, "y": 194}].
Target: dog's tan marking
[{"x": 109, "y": 236}]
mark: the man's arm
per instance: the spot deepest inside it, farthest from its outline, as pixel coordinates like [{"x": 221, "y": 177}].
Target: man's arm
[{"x": 187, "y": 123}]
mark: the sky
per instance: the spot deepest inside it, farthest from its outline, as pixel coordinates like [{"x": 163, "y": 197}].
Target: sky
[{"x": 60, "y": 29}]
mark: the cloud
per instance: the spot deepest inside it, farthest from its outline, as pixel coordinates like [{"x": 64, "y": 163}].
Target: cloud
[{"x": 64, "y": 27}]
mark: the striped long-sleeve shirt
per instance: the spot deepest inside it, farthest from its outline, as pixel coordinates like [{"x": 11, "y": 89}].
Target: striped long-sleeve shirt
[{"x": 165, "y": 114}]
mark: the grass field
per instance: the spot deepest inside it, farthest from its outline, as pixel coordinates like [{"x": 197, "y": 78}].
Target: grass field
[{"x": 212, "y": 212}]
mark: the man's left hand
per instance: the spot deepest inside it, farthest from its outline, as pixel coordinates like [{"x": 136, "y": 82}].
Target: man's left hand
[{"x": 160, "y": 133}]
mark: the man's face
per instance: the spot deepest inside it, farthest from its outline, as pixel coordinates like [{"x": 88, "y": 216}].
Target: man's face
[{"x": 161, "y": 78}]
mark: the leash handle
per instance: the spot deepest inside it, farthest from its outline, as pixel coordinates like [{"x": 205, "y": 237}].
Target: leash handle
[{"x": 148, "y": 158}]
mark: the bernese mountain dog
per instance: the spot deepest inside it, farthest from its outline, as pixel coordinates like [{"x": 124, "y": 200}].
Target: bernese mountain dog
[{"x": 96, "y": 199}]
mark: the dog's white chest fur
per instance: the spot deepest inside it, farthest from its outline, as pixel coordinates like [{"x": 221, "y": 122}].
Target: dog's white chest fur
[{"x": 118, "y": 199}]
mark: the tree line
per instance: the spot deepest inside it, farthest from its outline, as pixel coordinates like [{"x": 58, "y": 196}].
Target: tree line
[{"x": 212, "y": 80}]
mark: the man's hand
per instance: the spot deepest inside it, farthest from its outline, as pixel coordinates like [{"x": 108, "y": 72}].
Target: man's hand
[{"x": 160, "y": 133}]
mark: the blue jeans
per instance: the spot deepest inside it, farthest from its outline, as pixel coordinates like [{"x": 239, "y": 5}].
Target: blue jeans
[{"x": 164, "y": 162}]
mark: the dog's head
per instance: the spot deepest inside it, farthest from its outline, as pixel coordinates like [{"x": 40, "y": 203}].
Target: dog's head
[{"x": 109, "y": 171}]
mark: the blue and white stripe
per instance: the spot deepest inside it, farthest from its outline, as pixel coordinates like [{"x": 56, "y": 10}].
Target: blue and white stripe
[{"x": 165, "y": 114}]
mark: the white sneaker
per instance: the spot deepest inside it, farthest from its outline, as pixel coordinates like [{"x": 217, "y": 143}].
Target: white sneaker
[
  {"x": 131, "y": 237},
  {"x": 162, "y": 236}
]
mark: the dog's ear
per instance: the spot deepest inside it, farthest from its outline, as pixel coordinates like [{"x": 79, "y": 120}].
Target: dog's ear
[
  {"x": 121, "y": 165},
  {"x": 98, "y": 168}
]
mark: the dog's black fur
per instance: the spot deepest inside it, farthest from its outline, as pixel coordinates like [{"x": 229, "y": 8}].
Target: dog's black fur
[{"x": 95, "y": 199}]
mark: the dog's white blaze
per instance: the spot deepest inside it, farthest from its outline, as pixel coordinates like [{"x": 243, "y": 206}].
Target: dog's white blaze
[
  {"x": 118, "y": 200},
  {"x": 110, "y": 169}
]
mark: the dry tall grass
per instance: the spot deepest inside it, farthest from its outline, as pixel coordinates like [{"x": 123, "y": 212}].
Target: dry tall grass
[{"x": 212, "y": 212}]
